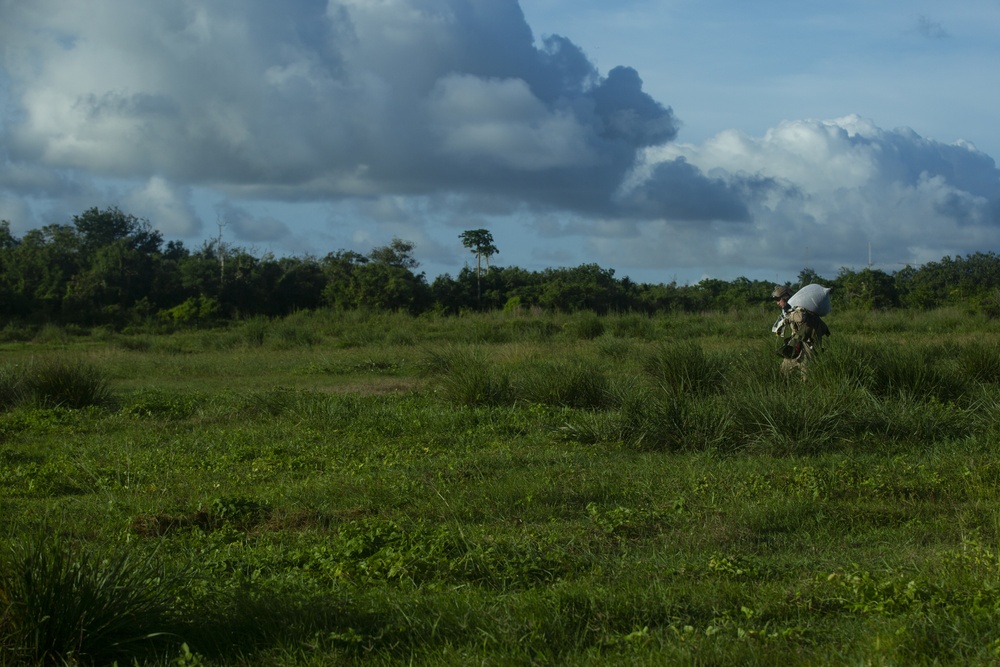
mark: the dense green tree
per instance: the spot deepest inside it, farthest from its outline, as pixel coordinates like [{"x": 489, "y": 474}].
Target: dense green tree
[
  {"x": 199, "y": 273},
  {"x": 7, "y": 240},
  {"x": 98, "y": 229},
  {"x": 661, "y": 298},
  {"x": 808, "y": 276},
  {"x": 378, "y": 285},
  {"x": 398, "y": 253},
  {"x": 384, "y": 279},
  {"x": 40, "y": 268},
  {"x": 338, "y": 270},
  {"x": 300, "y": 286},
  {"x": 586, "y": 287},
  {"x": 868, "y": 289}
]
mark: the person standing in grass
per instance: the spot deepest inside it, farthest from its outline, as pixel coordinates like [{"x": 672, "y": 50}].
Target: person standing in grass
[{"x": 801, "y": 332}]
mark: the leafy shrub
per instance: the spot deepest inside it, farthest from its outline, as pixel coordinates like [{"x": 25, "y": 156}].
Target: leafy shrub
[
  {"x": 196, "y": 311},
  {"x": 67, "y": 605}
]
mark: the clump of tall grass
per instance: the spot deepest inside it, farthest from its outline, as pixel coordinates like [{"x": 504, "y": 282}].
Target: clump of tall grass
[
  {"x": 52, "y": 334},
  {"x": 465, "y": 378},
  {"x": 135, "y": 343},
  {"x": 253, "y": 332},
  {"x": 488, "y": 330},
  {"x": 573, "y": 384},
  {"x": 632, "y": 325},
  {"x": 616, "y": 348},
  {"x": 533, "y": 328},
  {"x": 55, "y": 382},
  {"x": 63, "y": 604},
  {"x": 685, "y": 369},
  {"x": 295, "y": 332},
  {"x": 790, "y": 419},
  {"x": 980, "y": 361},
  {"x": 891, "y": 370},
  {"x": 401, "y": 337},
  {"x": 648, "y": 420},
  {"x": 585, "y": 325},
  {"x": 17, "y": 332}
]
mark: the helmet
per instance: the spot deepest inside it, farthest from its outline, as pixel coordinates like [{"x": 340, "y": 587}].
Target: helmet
[{"x": 781, "y": 292}]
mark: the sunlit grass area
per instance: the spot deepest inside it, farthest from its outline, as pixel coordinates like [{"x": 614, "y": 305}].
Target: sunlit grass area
[{"x": 507, "y": 488}]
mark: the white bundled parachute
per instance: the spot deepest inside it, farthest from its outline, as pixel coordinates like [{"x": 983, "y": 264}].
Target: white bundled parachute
[{"x": 814, "y": 298}]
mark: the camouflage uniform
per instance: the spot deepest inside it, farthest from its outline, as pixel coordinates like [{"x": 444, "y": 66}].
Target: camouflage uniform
[{"x": 801, "y": 332}]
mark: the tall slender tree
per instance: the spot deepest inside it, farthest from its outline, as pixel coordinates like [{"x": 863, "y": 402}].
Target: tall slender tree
[{"x": 480, "y": 242}]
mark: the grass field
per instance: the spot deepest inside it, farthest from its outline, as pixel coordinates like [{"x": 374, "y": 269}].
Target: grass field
[{"x": 502, "y": 489}]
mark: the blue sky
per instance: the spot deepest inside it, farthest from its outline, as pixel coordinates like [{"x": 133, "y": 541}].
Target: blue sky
[{"x": 667, "y": 140}]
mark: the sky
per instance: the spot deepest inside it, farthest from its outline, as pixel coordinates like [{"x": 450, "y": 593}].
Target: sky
[{"x": 667, "y": 140}]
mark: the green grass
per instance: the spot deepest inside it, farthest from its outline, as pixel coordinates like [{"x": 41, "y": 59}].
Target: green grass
[
  {"x": 63, "y": 602},
  {"x": 502, "y": 489}
]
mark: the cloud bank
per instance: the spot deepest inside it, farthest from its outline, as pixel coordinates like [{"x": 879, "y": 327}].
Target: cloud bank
[
  {"x": 822, "y": 192},
  {"x": 451, "y": 105}
]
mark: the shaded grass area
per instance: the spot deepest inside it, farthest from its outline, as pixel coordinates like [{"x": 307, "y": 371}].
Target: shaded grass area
[{"x": 604, "y": 500}]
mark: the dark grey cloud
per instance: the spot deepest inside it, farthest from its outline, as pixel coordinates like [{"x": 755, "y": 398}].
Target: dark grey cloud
[{"x": 677, "y": 190}]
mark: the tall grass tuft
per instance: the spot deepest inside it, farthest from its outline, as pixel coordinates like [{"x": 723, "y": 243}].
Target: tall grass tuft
[
  {"x": 12, "y": 386},
  {"x": 295, "y": 332},
  {"x": 647, "y": 420},
  {"x": 68, "y": 605},
  {"x": 465, "y": 378},
  {"x": 685, "y": 369},
  {"x": 54, "y": 383},
  {"x": 893, "y": 370},
  {"x": 980, "y": 361},
  {"x": 633, "y": 325},
  {"x": 68, "y": 384},
  {"x": 794, "y": 419},
  {"x": 585, "y": 326},
  {"x": 573, "y": 384}
]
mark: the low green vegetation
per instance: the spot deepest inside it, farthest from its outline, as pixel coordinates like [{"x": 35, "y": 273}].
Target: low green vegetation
[{"x": 502, "y": 488}]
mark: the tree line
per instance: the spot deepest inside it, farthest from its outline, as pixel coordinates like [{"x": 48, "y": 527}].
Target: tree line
[{"x": 111, "y": 268}]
